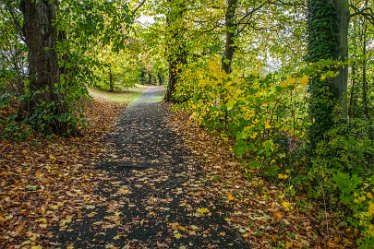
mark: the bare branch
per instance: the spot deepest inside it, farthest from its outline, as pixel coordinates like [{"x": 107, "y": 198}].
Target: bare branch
[{"x": 138, "y": 7}]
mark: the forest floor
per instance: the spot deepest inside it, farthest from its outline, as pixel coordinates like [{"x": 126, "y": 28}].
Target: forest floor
[{"x": 150, "y": 179}]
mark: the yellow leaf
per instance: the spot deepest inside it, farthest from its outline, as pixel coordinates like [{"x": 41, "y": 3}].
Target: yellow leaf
[
  {"x": 286, "y": 205},
  {"x": 291, "y": 80},
  {"x": 282, "y": 176},
  {"x": 323, "y": 76},
  {"x": 177, "y": 235},
  {"x": 332, "y": 244},
  {"x": 193, "y": 227},
  {"x": 203, "y": 210},
  {"x": 371, "y": 208},
  {"x": 304, "y": 80},
  {"x": 182, "y": 228},
  {"x": 267, "y": 124},
  {"x": 38, "y": 174},
  {"x": 123, "y": 191},
  {"x": 43, "y": 226},
  {"x": 36, "y": 247},
  {"x": 42, "y": 220},
  {"x": 253, "y": 135},
  {"x": 117, "y": 237},
  {"x": 278, "y": 215},
  {"x": 288, "y": 244},
  {"x": 230, "y": 197},
  {"x": 283, "y": 84}
]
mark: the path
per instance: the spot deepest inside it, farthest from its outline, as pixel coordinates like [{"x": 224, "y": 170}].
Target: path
[{"x": 156, "y": 196}]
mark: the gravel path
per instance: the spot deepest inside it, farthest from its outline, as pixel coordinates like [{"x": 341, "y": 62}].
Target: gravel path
[{"x": 156, "y": 195}]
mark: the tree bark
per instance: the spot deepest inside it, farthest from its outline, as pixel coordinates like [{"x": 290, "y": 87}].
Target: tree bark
[
  {"x": 41, "y": 37},
  {"x": 177, "y": 52},
  {"x": 231, "y": 33},
  {"x": 341, "y": 81},
  {"x": 327, "y": 40},
  {"x": 352, "y": 97},
  {"x": 364, "y": 74},
  {"x": 111, "y": 83}
]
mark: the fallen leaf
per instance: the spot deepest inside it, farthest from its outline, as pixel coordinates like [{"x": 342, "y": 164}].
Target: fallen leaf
[
  {"x": 203, "y": 210},
  {"x": 230, "y": 197}
]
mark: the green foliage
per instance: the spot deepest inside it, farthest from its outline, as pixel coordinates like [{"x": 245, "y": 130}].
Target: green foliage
[
  {"x": 343, "y": 166},
  {"x": 256, "y": 111},
  {"x": 10, "y": 125},
  {"x": 60, "y": 116}
]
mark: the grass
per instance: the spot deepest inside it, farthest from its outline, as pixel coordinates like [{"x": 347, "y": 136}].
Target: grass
[{"x": 122, "y": 97}]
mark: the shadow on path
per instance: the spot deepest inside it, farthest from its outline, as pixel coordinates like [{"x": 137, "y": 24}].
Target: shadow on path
[{"x": 155, "y": 195}]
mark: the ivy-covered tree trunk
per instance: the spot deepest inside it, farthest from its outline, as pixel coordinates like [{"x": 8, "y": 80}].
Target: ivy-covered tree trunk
[
  {"x": 41, "y": 37},
  {"x": 231, "y": 32},
  {"x": 177, "y": 52},
  {"x": 327, "y": 40}
]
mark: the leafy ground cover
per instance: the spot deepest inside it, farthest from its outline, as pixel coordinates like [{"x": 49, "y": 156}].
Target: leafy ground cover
[
  {"x": 46, "y": 181},
  {"x": 261, "y": 210},
  {"x": 54, "y": 194}
]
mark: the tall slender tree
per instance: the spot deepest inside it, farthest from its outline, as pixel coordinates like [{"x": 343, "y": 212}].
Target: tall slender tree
[{"x": 231, "y": 26}]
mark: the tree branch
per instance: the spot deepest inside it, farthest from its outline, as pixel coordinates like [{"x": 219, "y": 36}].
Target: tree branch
[
  {"x": 138, "y": 7},
  {"x": 16, "y": 23}
]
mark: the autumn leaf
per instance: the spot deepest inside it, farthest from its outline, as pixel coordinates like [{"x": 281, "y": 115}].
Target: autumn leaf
[
  {"x": 182, "y": 228},
  {"x": 230, "y": 197},
  {"x": 123, "y": 191},
  {"x": 277, "y": 215},
  {"x": 286, "y": 205},
  {"x": 193, "y": 227},
  {"x": 267, "y": 124},
  {"x": 177, "y": 235},
  {"x": 304, "y": 80},
  {"x": 291, "y": 80},
  {"x": 282, "y": 176},
  {"x": 203, "y": 210}
]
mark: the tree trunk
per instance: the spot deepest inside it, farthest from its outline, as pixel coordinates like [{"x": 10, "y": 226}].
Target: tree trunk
[
  {"x": 231, "y": 33},
  {"x": 150, "y": 78},
  {"x": 341, "y": 81},
  {"x": 41, "y": 36},
  {"x": 352, "y": 97},
  {"x": 364, "y": 75},
  {"x": 177, "y": 52},
  {"x": 111, "y": 83},
  {"x": 327, "y": 40}
]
